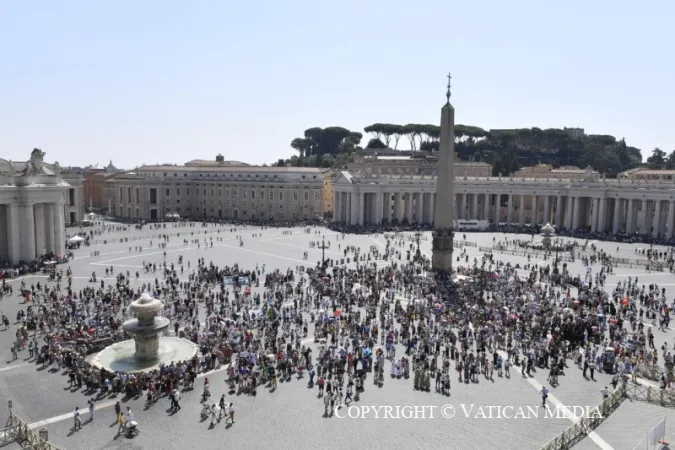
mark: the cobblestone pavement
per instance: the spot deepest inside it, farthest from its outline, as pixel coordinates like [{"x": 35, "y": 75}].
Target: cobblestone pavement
[{"x": 292, "y": 416}]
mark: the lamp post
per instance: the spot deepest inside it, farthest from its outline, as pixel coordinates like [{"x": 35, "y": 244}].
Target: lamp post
[{"x": 323, "y": 248}]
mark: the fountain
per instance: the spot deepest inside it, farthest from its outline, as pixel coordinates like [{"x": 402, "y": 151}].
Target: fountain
[
  {"x": 148, "y": 349},
  {"x": 546, "y": 232}
]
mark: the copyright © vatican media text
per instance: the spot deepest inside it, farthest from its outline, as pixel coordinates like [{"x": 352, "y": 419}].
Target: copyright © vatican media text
[{"x": 462, "y": 410}]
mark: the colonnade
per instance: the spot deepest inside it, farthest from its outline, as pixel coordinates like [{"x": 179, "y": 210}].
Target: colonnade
[
  {"x": 32, "y": 230},
  {"x": 602, "y": 212}
]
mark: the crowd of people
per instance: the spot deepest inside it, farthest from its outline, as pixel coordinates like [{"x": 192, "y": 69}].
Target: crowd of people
[{"x": 341, "y": 320}]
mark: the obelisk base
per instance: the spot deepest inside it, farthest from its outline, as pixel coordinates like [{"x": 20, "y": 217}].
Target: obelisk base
[{"x": 441, "y": 257}]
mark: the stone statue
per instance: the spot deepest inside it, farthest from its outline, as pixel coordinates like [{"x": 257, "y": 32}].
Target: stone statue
[
  {"x": 12, "y": 170},
  {"x": 34, "y": 164},
  {"x": 57, "y": 168}
]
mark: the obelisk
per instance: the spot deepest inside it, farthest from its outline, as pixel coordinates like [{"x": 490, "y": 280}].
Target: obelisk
[{"x": 441, "y": 260}]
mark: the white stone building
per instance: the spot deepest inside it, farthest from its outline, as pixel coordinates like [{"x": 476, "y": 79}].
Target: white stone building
[
  {"x": 219, "y": 189},
  {"x": 604, "y": 205},
  {"x": 33, "y": 203}
]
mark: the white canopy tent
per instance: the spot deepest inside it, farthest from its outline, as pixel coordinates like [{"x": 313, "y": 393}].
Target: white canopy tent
[{"x": 76, "y": 239}]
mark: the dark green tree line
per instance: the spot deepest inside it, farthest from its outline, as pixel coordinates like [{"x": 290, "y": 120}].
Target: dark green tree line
[{"x": 505, "y": 150}]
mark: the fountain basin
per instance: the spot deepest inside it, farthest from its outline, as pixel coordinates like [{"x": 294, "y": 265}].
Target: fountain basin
[{"x": 122, "y": 357}]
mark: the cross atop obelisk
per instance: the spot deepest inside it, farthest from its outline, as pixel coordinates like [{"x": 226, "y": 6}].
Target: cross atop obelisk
[
  {"x": 447, "y": 94},
  {"x": 441, "y": 260}
]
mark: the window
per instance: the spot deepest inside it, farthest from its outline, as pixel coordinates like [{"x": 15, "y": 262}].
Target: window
[
  {"x": 281, "y": 196},
  {"x": 138, "y": 195},
  {"x": 177, "y": 192},
  {"x": 168, "y": 192},
  {"x": 306, "y": 196},
  {"x": 252, "y": 195},
  {"x": 317, "y": 195},
  {"x": 71, "y": 197},
  {"x": 244, "y": 194},
  {"x": 262, "y": 195},
  {"x": 227, "y": 193},
  {"x": 211, "y": 192},
  {"x": 271, "y": 195},
  {"x": 153, "y": 196},
  {"x": 281, "y": 206},
  {"x": 129, "y": 198},
  {"x": 204, "y": 191},
  {"x": 121, "y": 194},
  {"x": 295, "y": 196}
]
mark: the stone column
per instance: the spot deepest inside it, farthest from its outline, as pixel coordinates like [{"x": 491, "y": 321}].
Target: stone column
[
  {"x": 522, "y": 210},
  {"x": 462, "y": 212},
  {"x": 398, "y": 206},
  {"x": 671, "y": 219},
  {"x": 498, "y": 208},
  {"x": 644, "y": 225},
  {"x": 353, "y": 208},
  {"x": 474, "y": 207},
  {"x": 432, "y": 208},
  {"x": 409, "y": 207},
  {"x": 559, "y": 212},
  {"x": 594, "y": 214},
  {"x": 602, "y": 220},
  {"x": 360, "y": 203},
  {"x": 618, "y": 217},
  {"x": 575, "y": 213},
  {"x": 378, "y": 207},
  {"x": 547, "y": 213},
  {"x": 27, "y": 246},
  {"x": 419, "y": 206},
  {"x": 387, "y": 206},
  {"x": 535, "y": 210},
  {"x": 629, "y": 217},
  {"x": 59, "y": 229},
  {"x": 39, "y": 212},
  {"x": 486, "y": 206},
  {"x": 509, "y": 210},
  {"x": 569, "y": 211},
  {"x": 13, "y": 233},
  {"x": 49, "y": 226},
  {"x": 657, "y": 219}
]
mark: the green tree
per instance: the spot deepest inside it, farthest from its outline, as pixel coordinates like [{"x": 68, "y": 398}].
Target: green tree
[
  {"x": 658, "y": 158},
  {"x": 670, "y": 161},
  {"x": 302, "y": 146},
  {"x": 375, "y": 143}
]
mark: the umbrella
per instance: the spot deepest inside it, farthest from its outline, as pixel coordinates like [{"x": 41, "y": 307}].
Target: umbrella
[{"x": 76, "y": 239}]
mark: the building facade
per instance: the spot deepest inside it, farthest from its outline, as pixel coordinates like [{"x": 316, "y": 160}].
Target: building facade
[
  {"x": 34, "y": 207},
  {"x": 219, "y": 190},
  {"x": 406, "y": 165},
  {"x": 647, "y": 174},
  {"x": 547, "y": 171},
  {"x": 603, "y": 205},
  {"x": 74, "y": 204}
]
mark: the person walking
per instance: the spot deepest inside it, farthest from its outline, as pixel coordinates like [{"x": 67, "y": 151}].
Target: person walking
[
  {"x": 230, "y": 414},
  {"x": 544, "y": 395},
  {"x": 121, "y": 421},
  {"x": 92, "y": 408},
  {"x": 77, "y": 420}
]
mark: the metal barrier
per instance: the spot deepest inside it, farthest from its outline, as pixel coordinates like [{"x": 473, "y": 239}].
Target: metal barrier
[
  {"x": 16, "y": 430},
  {"x": 630, "y": 391},
  {"x": 585, "y": 425}
]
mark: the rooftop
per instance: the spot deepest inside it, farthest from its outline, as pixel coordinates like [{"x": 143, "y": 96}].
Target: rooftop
[{"x": 227, "y": 168}]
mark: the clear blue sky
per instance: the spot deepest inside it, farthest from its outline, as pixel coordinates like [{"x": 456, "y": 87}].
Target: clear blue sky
[{"x": 151, "y": 81}]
